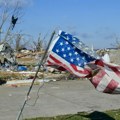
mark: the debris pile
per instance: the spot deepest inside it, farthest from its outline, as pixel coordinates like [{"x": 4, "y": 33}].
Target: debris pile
[{"x": 7, "y": 57}]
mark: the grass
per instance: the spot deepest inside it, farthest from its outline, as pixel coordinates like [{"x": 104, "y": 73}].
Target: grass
[
  {"x": 96, "y": 115},
  {"x": 10, "y": 76},
  {"x": 7, "y": 76},
  {"x": 28, "y": 61}
]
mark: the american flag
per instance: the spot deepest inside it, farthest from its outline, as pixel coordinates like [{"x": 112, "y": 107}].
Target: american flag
[
  {"x": 69, "y": 53},
  {"x": 107, "y": 79}
]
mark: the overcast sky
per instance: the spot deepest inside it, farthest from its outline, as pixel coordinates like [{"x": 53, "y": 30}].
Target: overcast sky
[{"x": 95, "y": 22}]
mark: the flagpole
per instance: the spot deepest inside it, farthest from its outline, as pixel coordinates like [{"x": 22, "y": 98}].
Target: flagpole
[{"x": 39, "y": 65}]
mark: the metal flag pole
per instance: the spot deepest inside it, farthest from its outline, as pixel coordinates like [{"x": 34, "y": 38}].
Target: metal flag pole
[{"x": 40, "y": 63}]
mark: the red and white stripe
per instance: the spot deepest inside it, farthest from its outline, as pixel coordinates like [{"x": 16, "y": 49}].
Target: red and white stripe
[
  {"x": 107, "y": 80},
  {"x": 54, "y": 59}
]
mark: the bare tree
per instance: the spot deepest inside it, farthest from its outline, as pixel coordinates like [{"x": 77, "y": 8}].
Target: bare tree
[
  {"x": 9, "y": 16},
  {"x": 38, "y": 45},
  {"x": 21, "y": 41},
  {"x": 117, "y": 43}
]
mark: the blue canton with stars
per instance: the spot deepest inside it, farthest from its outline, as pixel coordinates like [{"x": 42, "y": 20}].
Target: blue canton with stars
[{"x": 70, "y": 49}]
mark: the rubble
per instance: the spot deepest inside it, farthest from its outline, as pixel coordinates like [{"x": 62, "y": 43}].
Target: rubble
[{"x": 7, "y": 57}]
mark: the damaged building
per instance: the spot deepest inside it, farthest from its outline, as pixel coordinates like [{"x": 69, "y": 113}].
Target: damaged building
[{"x": 7, "y": 56}]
